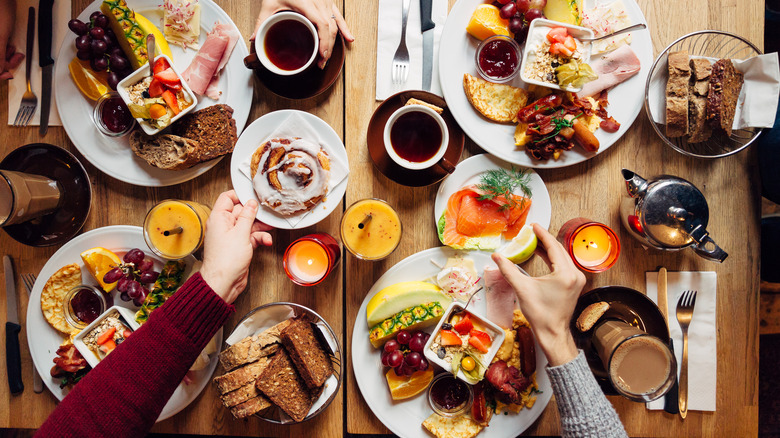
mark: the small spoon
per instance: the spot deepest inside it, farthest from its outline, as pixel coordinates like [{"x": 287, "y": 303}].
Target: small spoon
[
  {"x": 617, "y": 32},
  {"x": 454, "y": 311},
  {"x": 150, "y": 53}
]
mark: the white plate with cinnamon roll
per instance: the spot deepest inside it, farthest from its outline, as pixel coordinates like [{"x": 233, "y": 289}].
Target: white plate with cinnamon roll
[{"x": 292, "y": 163}]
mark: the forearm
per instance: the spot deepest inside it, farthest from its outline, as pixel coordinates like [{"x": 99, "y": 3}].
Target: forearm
[
  {"x": 124, "y": 395},
  {"x": 584, "y": 410}
]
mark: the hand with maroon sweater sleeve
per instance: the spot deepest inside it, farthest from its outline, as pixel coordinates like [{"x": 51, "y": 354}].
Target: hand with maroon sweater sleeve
[{"x": 125, "y": 393}]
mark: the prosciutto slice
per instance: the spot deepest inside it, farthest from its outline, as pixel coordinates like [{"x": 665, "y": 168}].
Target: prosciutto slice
[
  {"x": 500, "y": 297},
  {"x": 612, "y": 68},
  {"x": 233, "y": 36},
  {"x": 202, "y": 75}
]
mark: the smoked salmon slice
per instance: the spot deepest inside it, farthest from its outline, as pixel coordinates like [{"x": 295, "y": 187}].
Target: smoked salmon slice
[{"x": 473, "y": 223}]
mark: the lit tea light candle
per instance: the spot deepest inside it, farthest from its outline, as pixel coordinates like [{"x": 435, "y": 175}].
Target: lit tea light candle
[
  {"x": 308, "y": 260},
  {"x": 593, "y": 246}
]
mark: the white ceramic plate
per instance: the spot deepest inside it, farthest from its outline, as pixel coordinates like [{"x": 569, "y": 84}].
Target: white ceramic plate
[
  {"x": 469, "y": 171},
  {"x": 113, "y": 155},
  {"x": 457, "y": 57},
  {"x": 251, "y": 139},
  {"x": 44, "y": 340},
  {"x": 404, "y": 418}
]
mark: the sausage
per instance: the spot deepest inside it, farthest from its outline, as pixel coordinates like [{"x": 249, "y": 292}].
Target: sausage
[
  {"x": 545, "y": 104},
  {"x": 584, "y": 137},
  {"x": 525, "y": 338}
]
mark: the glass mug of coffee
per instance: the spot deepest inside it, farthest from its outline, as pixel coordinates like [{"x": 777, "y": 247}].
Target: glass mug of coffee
[
  {"x": 640, "y": 366},
  {"x": 24, "y": 196},
  {"x": 286, "y": 44},
  {"x": 416, "y": 137}
]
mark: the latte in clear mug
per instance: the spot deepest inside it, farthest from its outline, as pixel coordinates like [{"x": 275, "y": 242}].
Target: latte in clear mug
[{"x": 24, "y": 196}]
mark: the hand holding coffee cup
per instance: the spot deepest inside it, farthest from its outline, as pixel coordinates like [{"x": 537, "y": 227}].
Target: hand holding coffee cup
[
  {"x": 286, "y": 44},
  {"x": 416, "y": 138},
  {"x": 24, "y": 197}
]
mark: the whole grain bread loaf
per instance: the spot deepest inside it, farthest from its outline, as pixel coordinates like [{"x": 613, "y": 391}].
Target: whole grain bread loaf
[
  {"x": 166, "y": 151},
  {"x": 698, "y": 88},
  {"x": 213, "y": 127},
  {"x": 677, "y": 94},
  {"x": 281, "y": 383},
  {"x": 307, "y": 354},
  {"x": 725, "y": 84}
]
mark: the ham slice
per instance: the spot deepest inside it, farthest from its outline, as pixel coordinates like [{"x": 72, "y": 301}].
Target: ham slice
[
  {"x": 203, "y": 73},
  {"x": 501, "y": 298},
  {"x": 612, "y": 68}
]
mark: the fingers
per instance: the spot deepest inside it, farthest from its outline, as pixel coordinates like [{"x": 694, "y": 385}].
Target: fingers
[
  {"x": 247, "y": 217},
  {"x": 510, "y": 272},
  {"x": 260, "y": 226},
  {"x": 327, "y": 37},
  {"x": 342, "y": 24},
  {"x": 260, "y": 18},
  {"x": 14, "y": 61},
  {"x": 260, "y": 238},
  {"x": 555, "y": 252},
  {"x": 226, "y": 201}
]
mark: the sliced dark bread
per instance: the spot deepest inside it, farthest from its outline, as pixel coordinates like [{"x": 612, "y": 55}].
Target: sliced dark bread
[
  {"x": 281, "y": 383},
  {"x": 165, "y": 151},
  {"x": 725, "y": 85},
  {"x": 241, "y": 376},
  {"x": 306, "y": 352},
  {"x": 698, "y": 88},
  {"x": 252, "y": 348},
  {"x": 213, "y": 128},
  {"x": 677, "y": 94},
  {"x": 250, "y": 407}
]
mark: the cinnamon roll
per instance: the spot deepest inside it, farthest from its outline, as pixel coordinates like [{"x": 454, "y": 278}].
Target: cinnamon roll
[{"x": 290, "y": 175}]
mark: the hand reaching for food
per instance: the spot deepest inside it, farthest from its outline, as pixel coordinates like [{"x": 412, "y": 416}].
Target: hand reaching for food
[
  {"x": 9, "y": 57},
  {"x": 232, "y": 235},
  {"x": 548, "y": 301},
  {"x": 323, "y": 13}
]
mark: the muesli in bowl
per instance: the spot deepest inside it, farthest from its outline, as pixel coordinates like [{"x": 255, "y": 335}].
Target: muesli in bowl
[{"x": 555, "y": 57}]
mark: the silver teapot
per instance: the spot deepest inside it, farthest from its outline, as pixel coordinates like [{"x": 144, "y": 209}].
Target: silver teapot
[{"x": 668, "y": 213}]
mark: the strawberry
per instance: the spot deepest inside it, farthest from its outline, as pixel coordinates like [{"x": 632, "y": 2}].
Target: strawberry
[
  {"x": 569, "y": 43},
  {"x": 448, "y": 337},
  {"x": 482, "y": 336},
  {"x": 560, "y": 49},
  {"x": 478, "y": 344},
  {"x": 156, "y": 88},
  {"x": 106, "y": 336},
  {"x": 171, "y": 100},
  {"x": 168, "y": 78},
  {"x": 557, "y": 34},
  {"x": 464, "y": 325},
  {"x": 160, "y": 64}
]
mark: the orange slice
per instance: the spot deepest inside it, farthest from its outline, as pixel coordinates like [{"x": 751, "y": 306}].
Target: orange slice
[
  {"x": 98, "y": 261},
  {"x": 402, "y": 387},
  {"x": 92, "y": 84},
  {"x": 486, "y": 22}
]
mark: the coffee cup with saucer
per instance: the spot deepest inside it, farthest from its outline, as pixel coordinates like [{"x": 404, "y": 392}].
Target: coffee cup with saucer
[{"x": 416, "y": 138}]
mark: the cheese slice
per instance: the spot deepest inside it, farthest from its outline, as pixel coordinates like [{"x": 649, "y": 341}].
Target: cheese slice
[{"x": 178, "y": 31}]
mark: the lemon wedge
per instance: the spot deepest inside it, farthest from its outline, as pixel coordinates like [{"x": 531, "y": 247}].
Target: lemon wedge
[{"x": 522, "y": 247}]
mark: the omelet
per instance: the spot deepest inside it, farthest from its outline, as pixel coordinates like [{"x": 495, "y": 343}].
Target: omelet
[{"x": 457, "y": 427}]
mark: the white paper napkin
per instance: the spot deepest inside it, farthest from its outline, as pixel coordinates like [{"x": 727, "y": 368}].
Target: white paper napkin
[
  {"x": 18, "y": 85},
  {"x": 757, "y": 100},
  {"x": 702, "y": 334},
  {"x": 388, "y": 37},
  {"x": 297, "y": 126}
]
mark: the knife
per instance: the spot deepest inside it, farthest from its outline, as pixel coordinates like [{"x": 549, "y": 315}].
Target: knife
[
  {"x": 45, "y": 61},
  {"x": 13, "y": 358},
  {"x": 426, "y": 27},
  {"x": 670, "y": 399},
  {"x": 37, "y": 381}
]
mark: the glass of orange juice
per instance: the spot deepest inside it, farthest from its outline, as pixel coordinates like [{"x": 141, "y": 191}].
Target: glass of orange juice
[
  {"x": 310, "y": 259},
  {"x": 371, "y": 229},
  {"x": 174, "y": 229},
  {"x": 593, "y": 246}
]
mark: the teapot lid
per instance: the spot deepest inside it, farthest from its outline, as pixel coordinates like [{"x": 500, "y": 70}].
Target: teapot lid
[{"x": 673, "y": 212}]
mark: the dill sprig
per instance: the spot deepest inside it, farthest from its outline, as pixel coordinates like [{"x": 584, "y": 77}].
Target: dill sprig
[{"x": 502, "y": 182}]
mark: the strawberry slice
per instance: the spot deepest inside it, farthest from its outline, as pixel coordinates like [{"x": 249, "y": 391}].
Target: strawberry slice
[
  {"x": 156, "y": 88},
  {"x": 464, "y": 325},
  {"x": 560, "y": 49},
  {"x": 478, "y": 344},
  {"x": 171, "y": 100},
  {"x": 160, "y": 64},
  {"x": 557, "y": 34},
  {"x": 108, "y": 347},
  {"x": 106, "y": 336},
  {"x": 168, "y": 78},
  {"x": 570, "y": 44},
  {"x": 448, "y": 337},
  {"x": 482, "y": 336}
]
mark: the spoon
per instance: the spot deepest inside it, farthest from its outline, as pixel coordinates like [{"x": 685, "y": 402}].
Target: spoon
[
  {"x": 617, "y": 32},
  {"x": 150, "y": 53},
  {"x": 455, "y": 310}
]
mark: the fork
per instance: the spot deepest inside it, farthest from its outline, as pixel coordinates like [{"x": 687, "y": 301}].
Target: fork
[
  {"x": 29, "y": 282},
  {"x": 400, "y": 66},
  {"x": 684, "y": 315},
  {"x": 29, "y": 100}
]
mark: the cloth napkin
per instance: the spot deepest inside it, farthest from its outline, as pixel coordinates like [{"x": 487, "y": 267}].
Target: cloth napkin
[
  {"x": 702, "y": 333},
  {"x": 297, "y": 126},
  {"x": 388, "y": 36},
  {"x": 757, "y": 99},
  {"x": 18, "y": 85}
]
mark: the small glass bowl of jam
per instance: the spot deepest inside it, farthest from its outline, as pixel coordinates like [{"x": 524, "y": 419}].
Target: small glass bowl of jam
[
  {"x": 111, "y": 115},
  {"x": 83, "y": 304},
  {"x": 498, "y": 59},
  {"x": 450, "y": 396}
]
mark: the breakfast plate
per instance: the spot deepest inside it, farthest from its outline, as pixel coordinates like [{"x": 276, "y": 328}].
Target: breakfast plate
[
  {"x": 44, "y": 340},
  {"x": 469, "y": 171},
  {"x": 404, "y": 418},
  {"x": 252, "y": 138},
  {"x": 112, "y": 155},
  {"x": 625, "y": 99}
]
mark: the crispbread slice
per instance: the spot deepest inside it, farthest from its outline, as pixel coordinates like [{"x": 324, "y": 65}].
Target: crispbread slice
[
  {"x": 241, "y": 376},
  {"x": 53, "y": 295},
  {"x": 212, "y": 127},
  {"x": 497, "y": 102}
]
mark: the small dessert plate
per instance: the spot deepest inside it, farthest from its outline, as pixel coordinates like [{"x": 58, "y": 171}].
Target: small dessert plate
[{"x": 391, "y": 169}]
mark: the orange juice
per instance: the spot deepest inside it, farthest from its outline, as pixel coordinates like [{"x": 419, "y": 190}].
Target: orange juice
[
  {"x": 370, "y": 229},
  {"x": 174, "y": 229}
]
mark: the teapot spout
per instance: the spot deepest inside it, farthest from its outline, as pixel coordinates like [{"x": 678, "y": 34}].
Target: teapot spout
[{"x": 635, "y": 184}]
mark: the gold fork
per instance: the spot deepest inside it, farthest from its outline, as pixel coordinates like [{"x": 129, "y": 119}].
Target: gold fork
[
  {"x": 29, "y": 100},
  {"x": 684, "y": 315}
]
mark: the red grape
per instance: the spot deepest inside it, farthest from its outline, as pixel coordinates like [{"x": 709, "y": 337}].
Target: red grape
[
  {"x": 522, "y": 34},
  {"x": 413, "y": 359},
  {"x": 84, "y": 55},
  {"x": 122, "y": 284},
  {"x": 385, "y": 356},
  {"x": 98, "y": 47},
  {"x": 138, "y": 301},
  {"x": 101, "y": 21},
  {"x": 399, "y": 370},
  {"x": 508, "y": 10},
  {"x": 417, "y": 344},
  {"x": 533, "y": 14},
  {"x": 523, "y": 6},
  {"x": 403, "y": 337},
  {"x": 145, "y": 264},
  {"x": 503, "y": 2},
  {"x": 408, "y": 371},
  {"x": 97, "y": 33},
  {"x": 396, "y": 358},
  {"x": 113, "y": 275},
  {"x": 124, "y": 296},
  {"x": 423, "y": 364},
  {"x": 515, "y": 25},
  {"x": 98, "y": 64},
  {"x": 94, "y": 15},
  {"x": 134, "y": 289},
  {"x": 78, "y": 27},
  {"x": 134, "y": 256},
  {"x": 538, "y": 4},
  {"x": 82, "y": 42},
  {"x": 391, "y": 346},
  {"x": 147, "y": 277}
]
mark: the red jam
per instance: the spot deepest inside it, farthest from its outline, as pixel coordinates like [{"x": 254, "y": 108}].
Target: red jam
[
  {"x": 116, "y": 117},
  {"x": 449, "y": 394},
  {"x": 86, "y": 306},
  {"x": 498, "y": 59}
]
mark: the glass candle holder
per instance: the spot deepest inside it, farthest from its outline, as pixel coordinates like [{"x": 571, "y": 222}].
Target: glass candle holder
[
  {"x": 593, "y": 246},
  {"x": 309, "y": 260}
]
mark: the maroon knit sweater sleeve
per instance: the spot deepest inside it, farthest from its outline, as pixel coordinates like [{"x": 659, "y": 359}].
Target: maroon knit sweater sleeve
[{"x": 125, "y": 393}]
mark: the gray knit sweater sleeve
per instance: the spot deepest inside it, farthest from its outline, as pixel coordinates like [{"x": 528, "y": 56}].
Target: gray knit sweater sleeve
[{"x": 584, "y": 410}]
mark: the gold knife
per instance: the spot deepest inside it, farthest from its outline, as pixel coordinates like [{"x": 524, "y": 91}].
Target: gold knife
[{"x": 670, "y": 399}]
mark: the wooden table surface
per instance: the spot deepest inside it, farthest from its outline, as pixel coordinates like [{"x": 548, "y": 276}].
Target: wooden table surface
[{"x": 591, "y": 189}]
